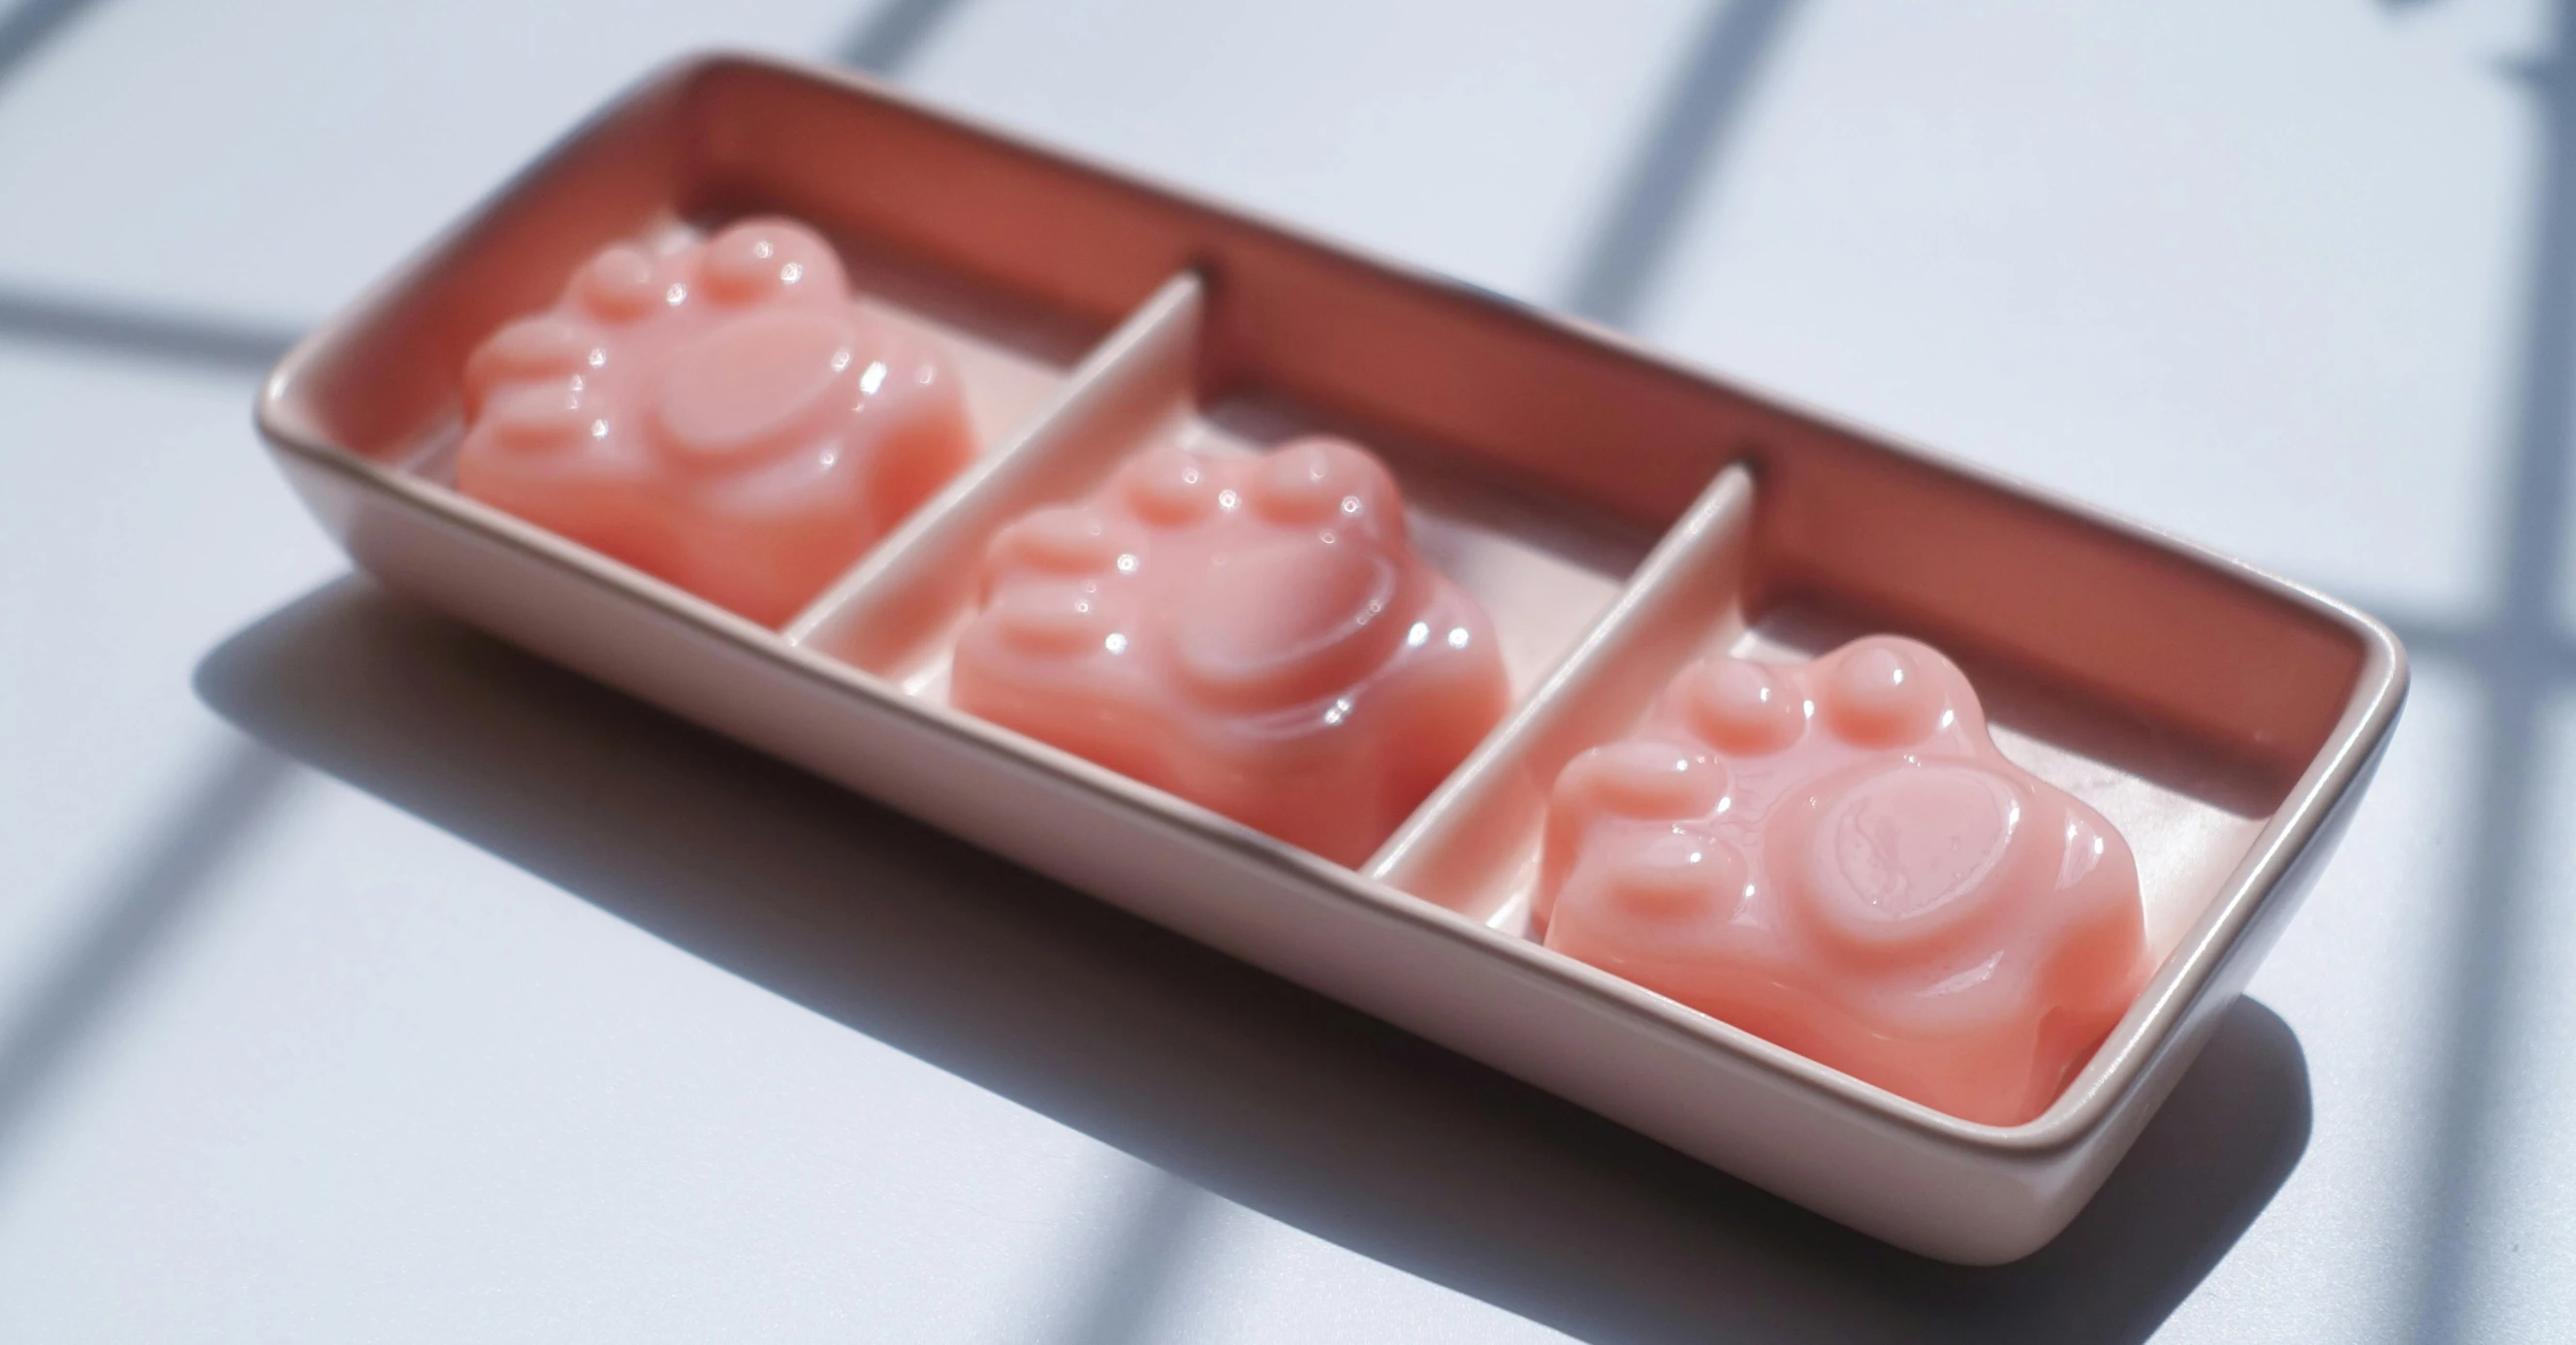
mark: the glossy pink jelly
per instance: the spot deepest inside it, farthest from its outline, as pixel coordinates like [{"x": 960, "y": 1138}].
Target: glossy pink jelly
[
  {"x": 722, "y": 416},
  {"x": 1253, "y": 634},
  {"x": 1834, "y": 855}
]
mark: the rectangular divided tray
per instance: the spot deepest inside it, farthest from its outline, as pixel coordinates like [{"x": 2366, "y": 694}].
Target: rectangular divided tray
[{"x": 1617, "y": 514}]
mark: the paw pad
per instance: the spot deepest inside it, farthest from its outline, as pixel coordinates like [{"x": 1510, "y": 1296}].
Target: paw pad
[
  {"x": 722, "y": 416},
  {"x": 1253, "y": 634},
  {"x": 1853, "y": 871}
]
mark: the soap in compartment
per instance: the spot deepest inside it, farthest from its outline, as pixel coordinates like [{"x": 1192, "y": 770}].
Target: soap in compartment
[
  {"x": 1509, "y": 579},
  {"x": 2092, "y": 662},
  {"x": 485, "y": 357}
]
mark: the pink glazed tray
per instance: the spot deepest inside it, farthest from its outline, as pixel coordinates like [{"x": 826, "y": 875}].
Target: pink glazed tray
[{"x": 1616, "y": 512}]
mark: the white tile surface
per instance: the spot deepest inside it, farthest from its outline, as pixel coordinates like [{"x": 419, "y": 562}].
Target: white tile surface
[
  {"x": 2353, "y": 976},
  {"x": 265, "y": 161},
  {"x": 144, "y": 530},
  {"x": 1477, "y": 136},
  {"x": 394, "y": 1089},
  {"x": 2522, "y": 1289},
  {"x": 2244, "y": 272},
  {"x": 2253, "y": 273}
]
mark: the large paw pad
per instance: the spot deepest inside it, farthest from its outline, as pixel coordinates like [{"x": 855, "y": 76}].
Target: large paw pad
[
  {"x": 1253, "y": 634},
  {"x": 1835, "y": 856},
  {"x": 722, "y": 416}
]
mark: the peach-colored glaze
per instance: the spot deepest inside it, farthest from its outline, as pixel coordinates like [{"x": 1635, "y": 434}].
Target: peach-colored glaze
[
  {"x": 1833, "y": 855},
  {"x": 722, "y": 416},
  {"x": 1253, "y": 634}
]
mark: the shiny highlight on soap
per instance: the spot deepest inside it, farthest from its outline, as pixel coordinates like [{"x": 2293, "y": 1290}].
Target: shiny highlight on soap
[
  {"x": 722, "y": 416},
  {"x": 1835, "y": 856},
  {"x": 1254, "y": 634}
]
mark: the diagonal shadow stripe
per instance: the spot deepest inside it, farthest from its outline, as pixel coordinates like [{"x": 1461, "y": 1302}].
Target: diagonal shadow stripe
[
  {"x": 2520, "y": 661},
  {"x": 2545, "y": 656},
  {"x": 1143, "y": 1262},
  {"x": 893, "y": 34},
  {"x": 891, "y": 37},
  {"x": 47, "y": 1027},
  {"x": 108, "y": 328},
  {"x": 2518, "y": 656},
  {"x": 25, "y": 30},
  {"x": 1677, "y": 160},
  {"x": 1245, "y": 1089}
]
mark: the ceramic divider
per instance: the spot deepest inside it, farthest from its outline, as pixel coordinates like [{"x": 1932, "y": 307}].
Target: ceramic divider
[
  {"x": 1473, "y": 845},
  {"x": 894, "y": 613}
]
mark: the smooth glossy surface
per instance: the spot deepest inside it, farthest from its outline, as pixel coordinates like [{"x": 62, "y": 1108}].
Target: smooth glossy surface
[
  {"x": 1835, "y": 856},
  {"x": 1255, "y": 635},
  {"x": 722, "y": 416}
]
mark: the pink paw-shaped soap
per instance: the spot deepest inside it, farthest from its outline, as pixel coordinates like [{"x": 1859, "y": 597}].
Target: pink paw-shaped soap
[
  {"x": 1252, "y": 634},
  {"x": 723, "y": 416},
  {"x": 1833, "y": 855}
]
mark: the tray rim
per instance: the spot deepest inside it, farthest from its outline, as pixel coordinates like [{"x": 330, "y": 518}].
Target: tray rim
[{"x": 2351, "y": 747}]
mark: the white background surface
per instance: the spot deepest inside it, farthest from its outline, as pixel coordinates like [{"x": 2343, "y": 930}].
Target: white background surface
[{"x": 488, "y": 1006}]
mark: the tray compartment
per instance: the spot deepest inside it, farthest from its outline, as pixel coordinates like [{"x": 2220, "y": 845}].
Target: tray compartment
[
  {"x": 2195, "y": 783},
  {"x": 2191, "y": 776},
  {"x": 1011, "y": 358},
  {"x": 393, "y": 398}
]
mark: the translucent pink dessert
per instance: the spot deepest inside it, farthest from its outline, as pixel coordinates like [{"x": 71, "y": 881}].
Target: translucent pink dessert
[
  {"x": 1833, "y": 855},
  {"x": 722, "y": 416},
  {"x": 1252, "y": 634}
]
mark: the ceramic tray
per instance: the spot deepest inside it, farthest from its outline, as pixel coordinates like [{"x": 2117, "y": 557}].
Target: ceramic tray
[{"x": 1614, "y": 511}]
